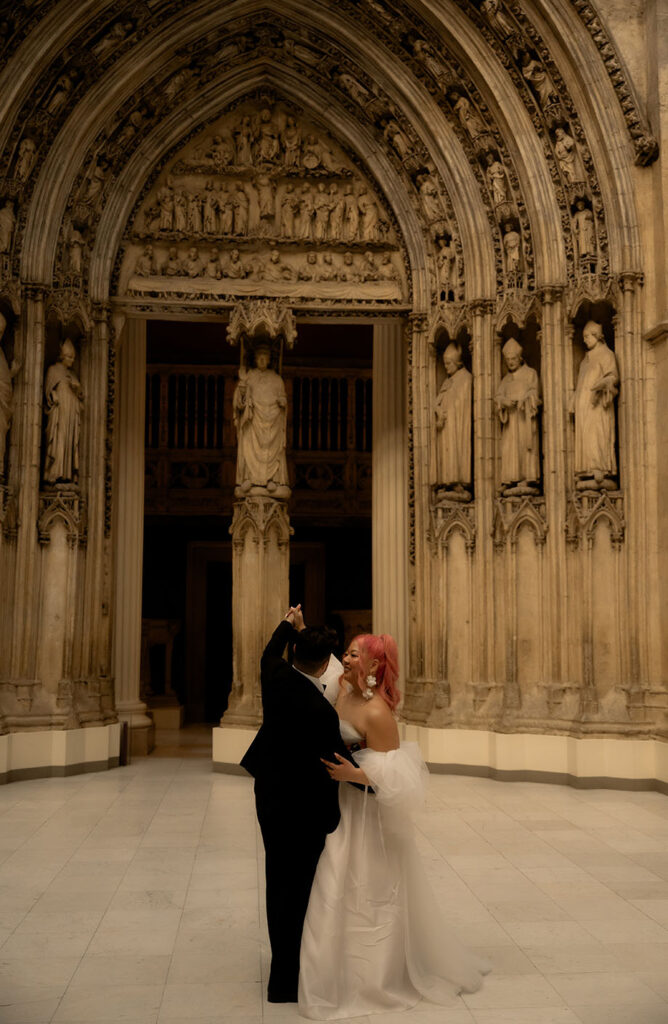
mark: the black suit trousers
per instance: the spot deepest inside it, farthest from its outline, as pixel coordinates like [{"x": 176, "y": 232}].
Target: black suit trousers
[{"x": 292, "y": 849}]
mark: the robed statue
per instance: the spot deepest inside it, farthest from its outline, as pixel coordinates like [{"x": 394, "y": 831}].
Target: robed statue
[
  {"x": 453, "y": 427},
  {"x": 63, "y": 404},
  {"x": 260, "y": 417},
  {"x": 517, "y": 401},
  {"x": 594, "y": 409}
]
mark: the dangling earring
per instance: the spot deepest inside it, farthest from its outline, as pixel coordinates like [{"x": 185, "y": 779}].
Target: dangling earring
[{"x": 370, "y": 683}]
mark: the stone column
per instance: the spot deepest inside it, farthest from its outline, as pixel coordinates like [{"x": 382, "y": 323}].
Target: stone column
[
  {"x": 389, "y": 495},
  {"x": 260, "y": 586},
  {"x": 129, "y": 534}
]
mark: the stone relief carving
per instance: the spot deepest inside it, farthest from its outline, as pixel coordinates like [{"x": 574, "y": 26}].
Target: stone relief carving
[
  {"x": 65, "y": 504},
  {"x": 7, "y": 224},
  {"x": 569, "y": 158},
  {"x": 584, "y": 235},
  {"x": 593, "y": 407},
  {"x": 453, "y": 427},
  {"x": 517, "y": 401},
  {"x": 586, "y": 509},
  {"x": 514, "y": 512},
  {"x": 7, "y": 375},
  {"x": 63, "y": 404}
]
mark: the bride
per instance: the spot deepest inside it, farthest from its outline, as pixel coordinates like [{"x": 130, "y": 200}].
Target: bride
[{"x": 374, "y": 939}]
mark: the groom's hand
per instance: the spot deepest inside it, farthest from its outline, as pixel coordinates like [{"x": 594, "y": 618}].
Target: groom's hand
[{"x": 345, "y": 771}]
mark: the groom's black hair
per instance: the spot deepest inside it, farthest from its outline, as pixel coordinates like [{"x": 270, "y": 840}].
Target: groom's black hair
[{"x": 313, "y": 645}]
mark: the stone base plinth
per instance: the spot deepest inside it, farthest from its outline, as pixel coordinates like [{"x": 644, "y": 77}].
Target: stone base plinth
[
  {"x": 58, "y": 752},
  {"x": 590, "y": 763},
  {"x": 167, "y": 716}
]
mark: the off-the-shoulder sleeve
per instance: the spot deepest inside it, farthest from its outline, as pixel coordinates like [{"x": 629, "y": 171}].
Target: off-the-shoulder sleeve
[{"x": 398, "y": 777}]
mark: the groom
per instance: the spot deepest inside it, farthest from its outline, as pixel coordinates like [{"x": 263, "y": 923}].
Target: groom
[{"x": 297, "y": 810}]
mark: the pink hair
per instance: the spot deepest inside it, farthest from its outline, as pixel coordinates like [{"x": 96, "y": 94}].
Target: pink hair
[{"x": 384, "y": 649}]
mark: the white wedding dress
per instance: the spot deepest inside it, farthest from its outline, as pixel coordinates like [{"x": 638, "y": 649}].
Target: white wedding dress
[{"x": 374, "y": 939}]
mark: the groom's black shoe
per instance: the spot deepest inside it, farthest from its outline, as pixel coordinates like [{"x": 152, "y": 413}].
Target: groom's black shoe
[{"x": 281, "y": 997}]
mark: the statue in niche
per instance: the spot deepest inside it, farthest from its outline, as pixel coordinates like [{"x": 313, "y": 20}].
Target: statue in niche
[
  {"x": 129, "y": 130},
  {"x": 289, "y": 207},
  {"x": 426, "y": 54},
  {"x": 7, "y": 225},
  {"x": 448, "y": 277},
  {"x": 60, "y": 94},
  {"x": 537, "y": 76},
  {"x": 145, "y": 265},
  {"x": 355, "y": 90},
  {"x": 431, "y": 200},
  {"x": 393, "y": 134},
  {"x": 225, "y": 202},
  {"x": 26, "y": 158},
  {"x": 266, "y": 198},
  {"x": 192, "y": 265},
  {"x": 75, "y": 250},
  {"x": 275, "y": 270},
  {"x": 177, "y": 84},
  {"x": 370, "y": 220},
  {"x": 336, "y": 212},
  {"x": 222, "y": 150},
  {"x": 584, "y": 230},
  {"x": 453, "y": 427},
  {"x": 470, "y": 121},
  {"x": 496, "y": 17},
  {"x": 320, "y": 213},
  {"x": 241, "y": 203},
  {"x": 180, "y": 211},
  {"x": 172, "y": 265},
  {"x": 517, "y": 400},
  {"x": 291, "y": 139},
  {"x": 498, "y": 183},
  {"x": 260, "y": 418},
  {"x": 210, "y": 210},
  {"x": 195, "y": 213},
  {"x": 7, "y": 375},
  {"x": 212, "y": 268},
  {"x": 268, "y": 147},
  {"x": 305, "y": 214},
  {"x": 351, "y": 214},
  {"x": 165, "y": 198},
  {"x": 113, "y": 38},
  {"x": 96, "y": 179},
  {"x": 349, "y": 272},
  {"x": 245, "y": 137},
  {"x": 568, "y": 155},
  {"x": 234, "y": 267},
  {"x": 512, "y": 247},
  {"x": 594, "y": 410},
  {"x": 63, "y": 403}
]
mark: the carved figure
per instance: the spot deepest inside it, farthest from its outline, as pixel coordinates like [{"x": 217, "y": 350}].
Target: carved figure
[
  {"x": 305, "y": 214},
  {"x": 584, "y": 230},
  {"x": 431, "y": 200},
  {"x": 275, "y": 270},
  {"x": 176, "y": 85},
  {"x": 470, "y": 121},
  {"x": 512, "y": 246},
  {"x": 594, "y": 411},
  {"x": 568, "y": 155},
  {"x": 321, "y": 213},
  {"x": 235, "y": 267},
  {"x": 192, "y": 265},
  {"x": 289, "y": 207},
  {"x": 498, "y": 183},
  {"x": 517, "y": 400},
  {"x": 212, "y": 268},
  {"x": 497, "y": 18},
  {"x": 165, "y": 197},
  {"x": 336, "y": 212},
  {"x": 7, "y": 224},
  {"x": 308, "y": 270},
  {"x": 453, "y": 426},
  {"x": 369, "y": 268},
  {"x": 355, "y": 90},
  {"x": 180, "y": 211},
  {"x": 26, "y": 158},
  {"x": 537, "y": 76},
  {"x": 75, "y": 250},
  {"x": 113, "y": 38},
  {"x": 241, "y": 204},
  {"x": 145, "y": 265},
  {"x": 7, "y": 375},
  {"x": 387, "y": 271},
  {"x": 397, "y": 139},
  {"x": 448, "y": 277},
  {"x": 426, "y": 54},
  {"x": 225, "y": 201},
  {"x": 63, "y": 403},
  {"x": 351, "y": 215},
  {"x": 266, "y": 204},
  {"x": 195, "y": 213},
  {"x": 97, "y": 176},
  {"x": 172, "y": 266},
  {"x": 349, "y": 272},
  {"x": 244, "y": 136},
  {"x": 60, "y": 94},
  {"x": 370, "y": 217},
  {"x": 222, "y": 150},
  {"x": 327, "y": 271},
  {"x": 129, "y": 129},
  {"x": 210, "y": 210},
  {"x": 268, "y": 147},
  {"x": 316, "y": 154},
  {"x": 291, "y": 138},
  {"x": 260, "y": 417}
]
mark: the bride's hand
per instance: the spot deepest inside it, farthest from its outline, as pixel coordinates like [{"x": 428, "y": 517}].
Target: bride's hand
[{"x": 345, "y": 771}]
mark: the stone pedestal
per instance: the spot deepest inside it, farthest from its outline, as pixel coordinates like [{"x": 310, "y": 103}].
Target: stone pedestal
[
  {"x": 260, "y": 586},
  {"x": 390, "y": 486},
  {"x": 129, "y": 535}
]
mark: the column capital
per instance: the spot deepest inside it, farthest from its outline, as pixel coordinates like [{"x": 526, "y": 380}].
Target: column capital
[
  {"x": 550, "y": 294},
  {"x": 481, "y": 307},
  {"x": 630, "y": 280}
]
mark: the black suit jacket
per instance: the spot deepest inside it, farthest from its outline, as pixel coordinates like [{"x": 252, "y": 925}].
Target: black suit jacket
[{"x": 299, "y": 727}]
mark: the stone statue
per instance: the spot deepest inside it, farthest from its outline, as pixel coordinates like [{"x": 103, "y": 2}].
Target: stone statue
[
  {"x": 517, "y": 401},
  {"x": 244, "y": 138},
  {"x": 289, "y": 207},
  {"x": 355, "y": 90},
  {"x": 266, "y": 198},
  {"x": 584, "y": 230},
  {"x": 7, "y": 375},
  {"x": 397, "y": 139},
  {"x": 328, "y": 271},
  {"x": 351, "y": 214},
  {"x": 26, "y": 158},
  {"x": 387, "y": 271},
  {"x": 448, "y": 277},
  {"x": 260, "y": 417},
  {"x": 275, "y": 270},
  {"x": 321, "y": 213},
  {"x": 210, "y": 210},
  {"x": 291, "y": 139},
  {"x": 63, "y": 404},
  {"x": 75, "y": 250},
  {"x": 234, "y": 267},
  {"x": 470, "y": 121},
  {"x": 453, "y": 427},
  {"x": 172, "y": 265},
  {"x": 119, "y": 30},
  {"x": 369, "y": 267},
  {"x": 165, "y": 197},
  {"x": 568, "y": 155},
  {"x": 192, "y": 265},
  {"x": 497, "y": 18},
  {"x": 498, "y": 183},
  {"x": 7, "y": 224},
  {"x": 145, "y": 265},
  {"x": 594, "y": 411},
  {"x": 60, "y": 94},
  {"x": 180, "y": 211},
  {"x": 268, "y": 146},
  {"x": 305, "y": 214},
  {"x": 370, "y": 228},
  {"x": 337, "y": 208},
  {"x": 195, "y": 213},
  {"x": 426, "y": 54},
  {"x": 512, "y": 247},
  {"x": 241, "y": 204},
  {"x": 537, "y": 76},
  {"x": 212, "y": 268},
  {"x": 226, "y": 209},
  {"x": 431, "y": 201},
  {"x": 308, "y": 270},
  {"x": 349, "y": 271},
  {"x": 222, "y": 150}
]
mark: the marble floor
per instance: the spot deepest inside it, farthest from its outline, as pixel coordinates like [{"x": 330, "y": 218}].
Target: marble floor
[{"x": 136, "y": 895}]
